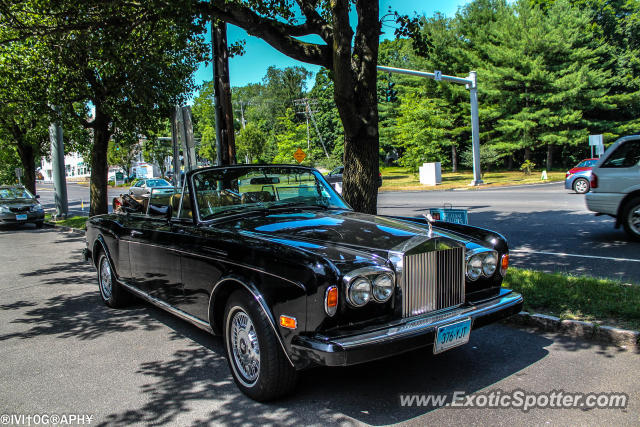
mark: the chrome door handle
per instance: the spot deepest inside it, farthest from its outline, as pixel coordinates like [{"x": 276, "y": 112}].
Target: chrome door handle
[{"x": 135, "y": 233}]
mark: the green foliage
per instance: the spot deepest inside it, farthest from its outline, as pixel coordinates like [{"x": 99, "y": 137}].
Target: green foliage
[
  {"x": 527, "y": 167},
  {"x": 250, "y": 142},
  {"x": 123, "y": 150},
  {"x": 490, "y": 157},
  {"x": 420, "y": 130}
]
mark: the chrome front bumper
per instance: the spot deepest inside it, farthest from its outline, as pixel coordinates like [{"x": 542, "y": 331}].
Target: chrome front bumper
[{"x": 404, "y": 336}]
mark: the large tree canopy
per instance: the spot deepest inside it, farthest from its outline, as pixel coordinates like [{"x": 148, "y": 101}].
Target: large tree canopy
[{"x": 129, "y": 62}]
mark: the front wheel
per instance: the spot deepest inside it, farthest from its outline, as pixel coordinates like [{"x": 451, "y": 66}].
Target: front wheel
[
  {"x": 111, "y": 292},
  {"x": 258, "y": 363},
  {"x": 631, "y": 218},
  {"x": 581, "y": 186}
]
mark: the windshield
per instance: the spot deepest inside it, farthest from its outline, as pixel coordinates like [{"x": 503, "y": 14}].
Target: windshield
[
  {"x": 586, "y": 163},
  {"x": 223, "y": 191},
  {"x": 157, "y": 183},
  {"x": 15, "y": 193}
]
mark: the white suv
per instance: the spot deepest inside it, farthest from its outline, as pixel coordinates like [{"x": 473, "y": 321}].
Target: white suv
[{"x": 615, "y": 184}]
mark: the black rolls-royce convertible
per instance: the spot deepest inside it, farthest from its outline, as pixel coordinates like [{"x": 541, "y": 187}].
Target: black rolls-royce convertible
[{"x": 272, "y": 259}]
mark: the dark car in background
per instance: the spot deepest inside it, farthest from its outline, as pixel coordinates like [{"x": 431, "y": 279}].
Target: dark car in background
[
  {"x": 275, "y": 261},
  {"x": 19, "y": 206},
  {"x": 578, "y": 177}
]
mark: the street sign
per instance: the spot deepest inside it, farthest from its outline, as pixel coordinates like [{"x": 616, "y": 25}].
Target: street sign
[
  {"x": 299, "y": 155},
  {"x": 595, "y": 139},
  {"x": 18, "y": 173},
  {"x": 437, "y": 75}
]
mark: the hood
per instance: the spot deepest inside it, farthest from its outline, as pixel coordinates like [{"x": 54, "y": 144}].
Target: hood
[
  {"x": 576, "y": 170},
  {"x": 16, "y": 203},
  {"x": 332, "y": 231}
]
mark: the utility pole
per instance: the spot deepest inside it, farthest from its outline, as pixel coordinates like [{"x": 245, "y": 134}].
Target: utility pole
[
  {"x": 305, "y": 103},
  {"x": 58, "y": 172}
]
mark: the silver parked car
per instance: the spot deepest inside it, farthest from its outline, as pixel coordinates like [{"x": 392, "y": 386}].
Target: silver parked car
[
  {"x": 615, "y": 184},
  {"x": 144, "y": 186},
  {"x": 19, "y": 206}
]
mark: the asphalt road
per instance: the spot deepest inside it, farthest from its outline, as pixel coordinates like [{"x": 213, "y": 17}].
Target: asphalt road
[
  {"x": 64, "y": 352},
  {"x": 548, "y": 228},
  {"x": 77, "y": 196}
]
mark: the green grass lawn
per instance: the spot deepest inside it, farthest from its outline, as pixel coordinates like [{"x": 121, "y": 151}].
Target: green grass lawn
[
  {"x": 78, "y": 222},
  {"x": 578, "y": 297},
  {"x": 397, "y": 178}
]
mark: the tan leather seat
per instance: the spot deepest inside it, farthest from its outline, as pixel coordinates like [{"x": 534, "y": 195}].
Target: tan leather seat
[{"x": 186, "y": 205}]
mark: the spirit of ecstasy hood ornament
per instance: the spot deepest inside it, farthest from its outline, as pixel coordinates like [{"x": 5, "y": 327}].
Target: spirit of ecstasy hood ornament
[{"x": 430, "y": 221}]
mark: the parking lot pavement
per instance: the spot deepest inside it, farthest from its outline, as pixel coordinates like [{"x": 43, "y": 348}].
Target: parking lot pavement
[{"x": 64, "y": 352}]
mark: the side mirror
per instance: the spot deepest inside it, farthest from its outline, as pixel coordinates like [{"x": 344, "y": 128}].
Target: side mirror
[{"x": 37, "y": 196}]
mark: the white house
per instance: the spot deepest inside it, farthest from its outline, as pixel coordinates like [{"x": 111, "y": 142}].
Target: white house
[{"x": 75, "y": 167}]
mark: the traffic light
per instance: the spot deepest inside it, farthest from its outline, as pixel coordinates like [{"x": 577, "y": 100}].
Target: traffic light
[{"x": 391, "y": 93}]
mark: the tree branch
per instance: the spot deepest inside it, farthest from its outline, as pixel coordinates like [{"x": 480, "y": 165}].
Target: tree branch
[{"x": 278, "y": 34}]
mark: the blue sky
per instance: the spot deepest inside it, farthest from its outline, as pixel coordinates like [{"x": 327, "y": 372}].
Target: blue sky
[{"x": 252, "y": 66}]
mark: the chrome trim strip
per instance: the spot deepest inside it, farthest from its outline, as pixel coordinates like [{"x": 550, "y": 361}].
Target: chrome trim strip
[
  {"x": 298, "y": 284},
  {"x": 168, "y": 307},
  {"x": 428, "y": 323},
  {"x": 261, "y": 303}
]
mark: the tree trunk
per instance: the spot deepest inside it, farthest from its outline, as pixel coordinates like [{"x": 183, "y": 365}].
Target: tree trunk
[
  {"x": 527, "y": 154},
  {"x": 27, "y": 157},
  {"x": 510, "y": 162},
  {"x": 549, "y": 156},
  {"x": 223, "y": 86},
  {"x": 99, "y": 165},
  {"x": 454, "y": 159},
  {"x": 355, "y": 76}
]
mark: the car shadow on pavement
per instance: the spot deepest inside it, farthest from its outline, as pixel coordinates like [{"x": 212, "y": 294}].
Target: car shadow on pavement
[{"x": 369, "y": 393}]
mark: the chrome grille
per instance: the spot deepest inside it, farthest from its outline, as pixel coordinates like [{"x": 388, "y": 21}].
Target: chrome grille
[{"x": 432, "y": 281}]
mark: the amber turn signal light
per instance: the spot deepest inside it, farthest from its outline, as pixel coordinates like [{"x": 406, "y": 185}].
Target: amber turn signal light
[
  {"x": 331, "y": 300},
  {"x": 504, "y": 264},
  {"x": 288, "y": 322}
]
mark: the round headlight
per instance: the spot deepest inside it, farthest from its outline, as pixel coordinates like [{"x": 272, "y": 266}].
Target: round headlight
[
  {"x": 359, "y": 292},
  {"x": 382, "y": 287},
  {"x": 489, "y": 264},
  {"x": 474, "y": 267}
]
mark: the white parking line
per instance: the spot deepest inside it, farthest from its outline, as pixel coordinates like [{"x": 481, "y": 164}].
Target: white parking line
[{"x": 530, "y": 251}]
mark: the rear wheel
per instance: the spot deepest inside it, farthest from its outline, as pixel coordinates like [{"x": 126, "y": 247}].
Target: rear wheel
[
  {"x": 581, "y": 186},
  {"x": 111, "y": 292},
  {"x": 39, "y": 224},
  {"x": 258, "y": 363},
  {"x": 631, "y": 218}
]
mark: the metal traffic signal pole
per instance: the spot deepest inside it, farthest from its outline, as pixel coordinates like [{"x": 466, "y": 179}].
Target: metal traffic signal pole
[{"x": 470, "y": 83}]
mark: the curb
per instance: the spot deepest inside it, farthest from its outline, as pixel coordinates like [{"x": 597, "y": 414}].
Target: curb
[
  {"x": 623, "y": 338},
  {"x": 64, "y": 228}
]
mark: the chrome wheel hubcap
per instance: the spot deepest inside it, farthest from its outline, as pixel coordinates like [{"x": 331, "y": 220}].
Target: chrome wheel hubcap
[
  {"x": 634, "y": 219},
  {"x": 244, "y": 346},
  {"x": 105, "y": 279},
  {"x": 581, "y": 186}
]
